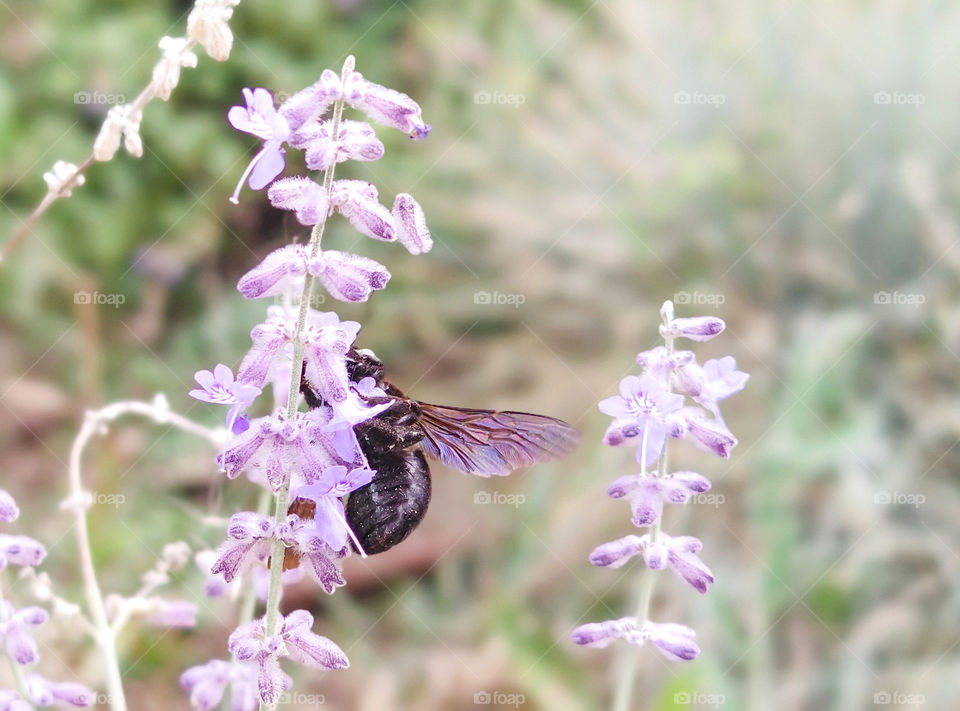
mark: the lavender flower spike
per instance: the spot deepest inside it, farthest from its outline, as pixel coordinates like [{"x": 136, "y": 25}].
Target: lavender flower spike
[{"x": 648, "y": 412}]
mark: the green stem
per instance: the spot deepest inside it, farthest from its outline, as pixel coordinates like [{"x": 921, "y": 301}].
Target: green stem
[
  {"x": 627, "y": 673},
  {"x": 282, "y": 495}
]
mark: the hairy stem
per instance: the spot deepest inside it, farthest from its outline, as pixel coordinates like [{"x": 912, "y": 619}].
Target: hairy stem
[
  {"x": 78, "y": 503},
  {"x": 627, "y": 672}
]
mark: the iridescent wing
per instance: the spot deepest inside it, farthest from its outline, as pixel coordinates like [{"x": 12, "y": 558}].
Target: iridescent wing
[{"x": 491, "y": 443}]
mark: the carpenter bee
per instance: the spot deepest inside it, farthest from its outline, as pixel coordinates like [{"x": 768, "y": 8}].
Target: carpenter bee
[{"x": 484, "y": 442}]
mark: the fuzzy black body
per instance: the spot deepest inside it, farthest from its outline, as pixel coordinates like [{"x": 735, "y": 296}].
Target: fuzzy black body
[
  {"x": 385, "y": 511},
  {"x": 482, "y": 442}
]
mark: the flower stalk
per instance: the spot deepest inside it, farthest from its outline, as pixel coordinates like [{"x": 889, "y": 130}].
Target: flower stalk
[{"x": 650, "y": 410}]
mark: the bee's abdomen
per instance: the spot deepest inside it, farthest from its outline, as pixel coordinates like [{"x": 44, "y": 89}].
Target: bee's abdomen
[{"x": 386, "y": 510}]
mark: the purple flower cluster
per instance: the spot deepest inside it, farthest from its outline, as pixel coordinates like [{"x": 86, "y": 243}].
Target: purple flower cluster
[
  {"x": 17, "y": 625},
  {"x": 650, "y": 409},
  {"x": 310, "y": 457}
]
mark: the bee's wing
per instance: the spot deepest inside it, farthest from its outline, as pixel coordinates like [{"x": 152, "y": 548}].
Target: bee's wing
[{"x": 487, "y": 442}]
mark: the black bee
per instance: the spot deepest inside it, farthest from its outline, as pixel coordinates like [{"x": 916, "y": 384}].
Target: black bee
[{"x": 484, "y": 442}]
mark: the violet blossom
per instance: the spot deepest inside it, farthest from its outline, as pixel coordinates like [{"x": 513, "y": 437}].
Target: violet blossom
[
  {"x": 207, "y": 684},
  {"x": 220, "y": 388},
  {"x": 15, "y": 631},
  {"x": 649, "y": 409},
  {"x": 294, "y": 639}
]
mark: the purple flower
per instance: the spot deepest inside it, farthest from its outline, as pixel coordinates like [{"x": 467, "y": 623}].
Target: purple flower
[
  {"x": 708, "y": 435},
  {"x": 674, "y": 641},
  {"x": 15, "y": 631},
  {"x": 411, "y": 224},
  {"x": 8, "y": 507},
  {"x": 50, "y": 693},
  {"x": 20, "y": 550},
  {"x": 348, "y": 277},
  {"x": 601, "y": 634},
  {"x": 309, "y": 104},
  {"x": 273, "y": 273},
  {"x": 250, "y": 540},
  {"x": 307, "y": 199},
  {"x": 615, "y": 553},
  {"x": 355, "y": 141},
  {"x": 647, "y": 493},
  {"x": 294, "y": 639},
  {"x": 9, "y": 701},
  {"x": 698, "y": 328},
  {"x": 207, "y": 683},
  {"x": 680, "y": 554},
  {"x": 721, "y": 380},
  {"x": 326, "y": 340},
  {"x": 171, "y": 613},
  {"x": 220, "y": 388},
  {"x": 329, "y": 516},
  {"x": 642, "y": 409},
  {"x": 386, "y": 106},
  {"x": 260, "y": 118},
  {"x": 274, "y": 447},
  {"x": 357, "y": 200},
  {"x": 660, "y": 362}
]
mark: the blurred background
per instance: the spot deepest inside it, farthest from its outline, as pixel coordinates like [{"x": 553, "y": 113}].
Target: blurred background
[{"x": 793, "y": 167}]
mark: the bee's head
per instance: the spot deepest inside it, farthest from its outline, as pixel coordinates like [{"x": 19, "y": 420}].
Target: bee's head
[{"x": 363, "y": 363}]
